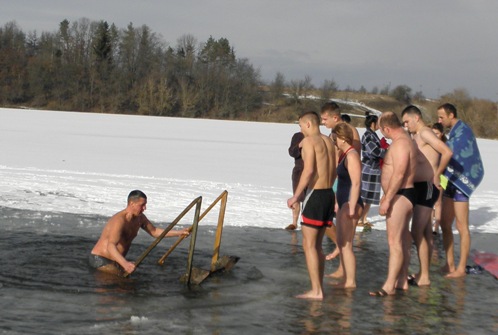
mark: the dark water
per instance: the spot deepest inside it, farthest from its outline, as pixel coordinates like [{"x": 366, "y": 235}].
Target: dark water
[{"x": 46, "y": 287}]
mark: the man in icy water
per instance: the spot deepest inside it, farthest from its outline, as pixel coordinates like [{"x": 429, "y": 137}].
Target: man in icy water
[
  {"x": 317, "y": 177},
  {"x": 108, "y": 255}
]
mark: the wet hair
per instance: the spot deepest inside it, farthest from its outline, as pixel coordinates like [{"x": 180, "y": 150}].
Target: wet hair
[
  {"x": 438, "y": 126},
  {"x": 369, "y": 119},
  {"x": 331, "y": 108},
  {"x": 411, "y": 109},
  {"x": 449, "y": 109},
  {"x": 311, "y": 116},
  {"x": 389, "y": 119},
  {"x": 346, "y": 118},
  {"x": 135, "y": 195},
  {"x": 343, "y": 131}
]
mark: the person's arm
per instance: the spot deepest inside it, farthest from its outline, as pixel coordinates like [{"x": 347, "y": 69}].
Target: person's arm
[
  {"x": 430, "y": 138},
  {"x": 112, "y": 246},
  {"x": 373, "y": 147},
  {"x": 294, "y": 148},
  {"x": 356, "y": 139},
  {"x": 383, "y": 147},
  {"x": 308, "y": 155},
  {"x": 156, "y": 232},
  {"x": 400, "y": 164},
  {"x": 333, "y": 153},
  {"x": 354, "y": 170}
]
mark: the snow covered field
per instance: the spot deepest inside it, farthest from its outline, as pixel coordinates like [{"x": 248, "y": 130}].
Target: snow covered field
[{"x": 87, "y": 164}]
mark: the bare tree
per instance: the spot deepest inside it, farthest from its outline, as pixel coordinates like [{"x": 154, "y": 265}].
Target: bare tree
[{"x": 327, "y": 89}]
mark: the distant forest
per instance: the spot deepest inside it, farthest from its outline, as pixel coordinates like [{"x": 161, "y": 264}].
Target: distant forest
[{"x": 91, "y": 66}]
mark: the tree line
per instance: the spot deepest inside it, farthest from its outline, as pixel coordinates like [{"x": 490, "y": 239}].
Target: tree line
[{"x": 92, "y": 66}]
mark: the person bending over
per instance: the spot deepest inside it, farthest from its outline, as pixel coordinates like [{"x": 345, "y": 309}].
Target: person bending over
[{"x": 108, "y": 254}]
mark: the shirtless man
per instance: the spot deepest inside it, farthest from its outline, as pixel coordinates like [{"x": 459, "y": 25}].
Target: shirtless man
[
  {"x": 331, "y": 116},
  {"x": 398, "y": 200},
  {"x": 119, "y": 232},
  {"x": 317, "y": 177},
  {"x": 432, "y": 159}
]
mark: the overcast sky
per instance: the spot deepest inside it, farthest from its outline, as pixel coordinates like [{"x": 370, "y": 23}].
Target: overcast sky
[{"x": 431, "y": 46}]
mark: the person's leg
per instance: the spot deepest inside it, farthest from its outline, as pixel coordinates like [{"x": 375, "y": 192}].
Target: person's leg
[
  {"x": 437, "y": 211},
  {"x": 296, "y": 210},
  {"x": 111, "y": 269},
  {"x": 313, "y": 262},
  {"x": 395, "y": 228},
  {"x": 402, "y": 281},
  {"x": 295, "y": 214},
  {"x": 447, "y": 217},
  {"x": 321, "y": 255},
  {"x": 462, "y": 225},
  {"x": 363, "y": 219},
  {"x": 429, "y": 237},
  {"x": 421, "y": 221},
  {"x": 345, "y": 235},
  {"x": 331, "y": 233}
]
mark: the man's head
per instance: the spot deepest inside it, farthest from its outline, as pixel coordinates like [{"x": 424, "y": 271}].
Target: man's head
[
  {"x": 137, "y": 202},
  {"x": 447, "y": 115},
  {"x": 389, "y": 122},
  {"x": 412, "y": 118},
  {"x": 331, "y": 115},
  {"x": 308, "y": 121}
]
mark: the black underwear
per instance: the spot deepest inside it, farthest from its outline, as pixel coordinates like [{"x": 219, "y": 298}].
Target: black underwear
[
  {"x": 409, "y": 193},
  {"x": 96, "y": 261},
  {"x": 427, "y": 193}
]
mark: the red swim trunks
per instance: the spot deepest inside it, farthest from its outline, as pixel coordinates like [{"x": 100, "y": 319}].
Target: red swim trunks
[{"x": 318, "y": 208}]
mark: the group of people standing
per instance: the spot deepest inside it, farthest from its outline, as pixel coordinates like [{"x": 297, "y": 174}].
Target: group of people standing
[{"x": 409, "y": 173}]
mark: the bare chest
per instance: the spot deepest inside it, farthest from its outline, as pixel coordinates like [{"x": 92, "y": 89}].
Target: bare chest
[{"x": 131, "y": 230}]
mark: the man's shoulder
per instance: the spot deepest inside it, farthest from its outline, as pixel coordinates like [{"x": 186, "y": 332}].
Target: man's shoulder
[
  {"x": 327, "y": 140},
  {"x": 402, "y": 143},
  {"x": 461, "y": 130},
  {"x": 143, "y": 220},
  {"x": 118, "y": 216},
  {"x": 426, "y": 133},
  {"x": 355, "y": 131}
]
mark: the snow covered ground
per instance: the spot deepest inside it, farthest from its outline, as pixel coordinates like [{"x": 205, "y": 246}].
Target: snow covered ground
[{"x": 87, "y": 163}]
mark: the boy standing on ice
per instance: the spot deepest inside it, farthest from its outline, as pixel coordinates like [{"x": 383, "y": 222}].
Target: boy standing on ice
[{"x": 317, "y": 177}]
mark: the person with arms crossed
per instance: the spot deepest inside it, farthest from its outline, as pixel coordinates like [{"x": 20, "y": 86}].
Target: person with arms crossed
[
  {"x": 108, "y": 254},
  {"x": 397, "y": 202},
  {"x": 432, "y": 160},
  {"x": 317, "y": 177},
  {"x": 464, "y": 172},
  {"x": 373, "y": 151}
]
